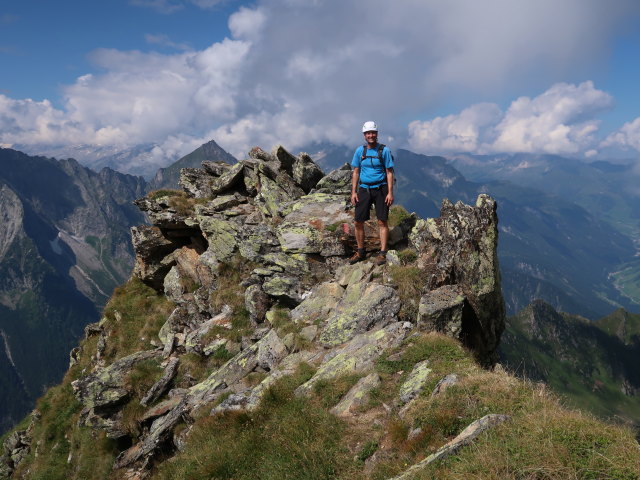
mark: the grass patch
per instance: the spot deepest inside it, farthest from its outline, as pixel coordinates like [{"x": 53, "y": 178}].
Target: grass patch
[
  {"x": 368, "y": 449},
  {"x": 407, "y": 256},
  {"x": 166, "y": 192},
  {"x": 179, "y": 200},
  {"x": 410, "y": 281},
  {"x": 545, "y": 441},
  {"x": 230, "y": 292},
  {"x": 287, "y": 437},
  {"x": 329, "y": 392},
  {"x": 134, "y": 316},
  {"x": 65, "y": 450},
  {"x": 397, "y": 214},
  {"x": 445, "y": 356}
]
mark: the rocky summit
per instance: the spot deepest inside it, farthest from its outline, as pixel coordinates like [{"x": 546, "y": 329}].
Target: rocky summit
[{"x": 249, "y": 261}]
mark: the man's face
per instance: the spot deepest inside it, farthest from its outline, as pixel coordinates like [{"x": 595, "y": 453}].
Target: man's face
[{"x": 371, "y": 137}]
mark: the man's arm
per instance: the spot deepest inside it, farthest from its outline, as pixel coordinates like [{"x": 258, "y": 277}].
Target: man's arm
[
  {"x": 389, "y": 198},
  {"x": 355, "y": 179}
]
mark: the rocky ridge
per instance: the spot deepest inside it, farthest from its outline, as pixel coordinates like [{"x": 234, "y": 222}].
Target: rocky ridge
[{"x": 284, "y": 226}]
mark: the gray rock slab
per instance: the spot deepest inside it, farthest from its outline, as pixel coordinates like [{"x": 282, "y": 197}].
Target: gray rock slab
[{"x": 467, "y": 436}]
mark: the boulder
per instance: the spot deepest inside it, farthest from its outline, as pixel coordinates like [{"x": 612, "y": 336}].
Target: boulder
[
  {"x": 107, "y": 387},
  {"x": 196, "y": 182},
  {"x": 337, "y": 182},
  {"x": 363, "y": 307},
  {"x": 356, "y": 356},
  {"x": 150, "y": 247},
  {"x": 230, "y": 178},
  {"x": 415, "y": 382},
  {"x": 357, "y": 396},
  {"x": 306, "y": 173},
  {"x": 441, "y": 310}
]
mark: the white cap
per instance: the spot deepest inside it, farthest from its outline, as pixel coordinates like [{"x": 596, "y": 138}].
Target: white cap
[{"x": 369, "y": 127}]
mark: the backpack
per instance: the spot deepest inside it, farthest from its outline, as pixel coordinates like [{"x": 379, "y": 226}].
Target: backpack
[{"x": 380, "y": 149}]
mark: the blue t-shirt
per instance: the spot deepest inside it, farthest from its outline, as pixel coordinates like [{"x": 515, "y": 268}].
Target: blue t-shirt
[{"x": 372, "y": 172}]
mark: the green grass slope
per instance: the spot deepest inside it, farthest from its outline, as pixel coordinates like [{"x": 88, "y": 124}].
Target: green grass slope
[{"x": 290, "y": 437}]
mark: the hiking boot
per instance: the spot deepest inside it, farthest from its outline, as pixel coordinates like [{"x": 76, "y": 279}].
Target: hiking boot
[
  {"x": 381, "y": 259},
  {"x": 355, "y": 258}
]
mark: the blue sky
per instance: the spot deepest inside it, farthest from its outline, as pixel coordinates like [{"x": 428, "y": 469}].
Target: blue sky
[{"x": 471, "y": 76}]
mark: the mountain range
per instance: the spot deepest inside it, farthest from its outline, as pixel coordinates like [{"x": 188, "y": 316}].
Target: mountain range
[
  {"x": 65, "y": 245},
  {"x": 139, "y": 160},
  {"x": 593, "y": 364}
]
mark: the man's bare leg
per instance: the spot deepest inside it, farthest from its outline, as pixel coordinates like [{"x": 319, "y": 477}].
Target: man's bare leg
[
  {"x": 383, "y": 228},
  {"x": 360, "y": 235}
]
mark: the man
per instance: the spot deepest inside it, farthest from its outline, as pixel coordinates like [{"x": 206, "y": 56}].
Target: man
[{"x": 371, "y": 184}]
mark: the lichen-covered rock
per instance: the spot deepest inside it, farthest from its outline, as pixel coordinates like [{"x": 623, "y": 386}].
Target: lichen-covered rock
[
  {"x": 160, "y": 430},
  {"x": 15, "y": 448},
  {"x": 356, "y": 356},
  {"x": 221, "y": 235},
  {"x": 306, "y": 173},
  {"x": 266, "y": 353},
  {"x": 337, "y": 182},
  {"x": 107, "y": 386},
  {"x": 227, "y": 180},
  {"x": 215, "y": 168},
  {"x": 257, "y": 302},
  {"x": 162, "y": 214},
  {"x": 158, "y": 388},
  {"x": 318, "y": 304},
  {"x": 174, "y": 285},
  {"x": 362, "y": 308},
  {"x": 299, "y": 238},
  {"x": 357, "y": 396},
  {"x": 196, "y": 181},
  {"x": 441, "y": 310},
  {"x": 415, "y": 382},
  {"x": 460, "y": 248},
  {"x": 150, "y": 247},
  {"x": 286, "y": 160},
  {"x": 283, "y": 287}
]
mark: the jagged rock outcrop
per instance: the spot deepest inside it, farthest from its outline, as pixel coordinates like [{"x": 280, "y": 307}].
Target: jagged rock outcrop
[
  {"x": 464, "y": 297},
  {"x": 283, "y": 228}
]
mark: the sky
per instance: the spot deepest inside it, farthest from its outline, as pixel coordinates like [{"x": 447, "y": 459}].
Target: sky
[{"x": 461, "y": 76}]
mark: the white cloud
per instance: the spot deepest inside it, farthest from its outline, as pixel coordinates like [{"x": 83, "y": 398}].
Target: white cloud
[
  {"x": 466, "y": 132},
  {"x": 627, "y": 137},
  {"x": 559, "y": 121},
  {"x": 247, "y": 23},
  {"x": 298, "y": 71}
]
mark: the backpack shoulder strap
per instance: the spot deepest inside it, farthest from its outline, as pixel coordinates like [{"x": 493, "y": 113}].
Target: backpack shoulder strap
[
  {"x": 364, "y": 151},
  {"x": 380, "y": 149}
]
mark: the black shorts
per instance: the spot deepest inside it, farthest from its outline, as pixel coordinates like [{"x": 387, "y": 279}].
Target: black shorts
[{"x": 372, "y": 196}]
